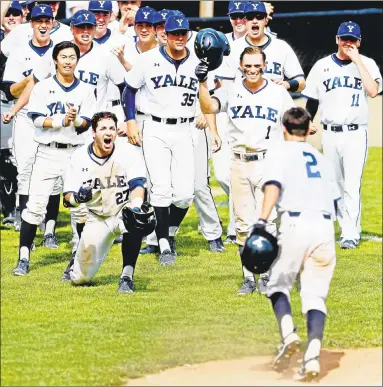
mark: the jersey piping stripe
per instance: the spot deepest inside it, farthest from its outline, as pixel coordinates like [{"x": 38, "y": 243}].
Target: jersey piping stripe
[
  {"x": 143, "y": 154},
  {"x": 91, "y": 48},
  {"x": 360, "y": 180},
  {"x": 262, "y": 47},
  {"x": 34, "y": 162},
  {"x": 255, "y": 92},
  {"x": 296, "y": 76},
  {"x": 69, "y": 88}
]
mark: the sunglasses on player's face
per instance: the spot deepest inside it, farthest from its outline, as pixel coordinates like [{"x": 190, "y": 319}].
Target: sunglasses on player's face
[
  {"x": 253, "y": 15},
  {"x": 348, "y": 39},
  {"x": 235, "y": 16},
  {"x": 13, "y": 12}
]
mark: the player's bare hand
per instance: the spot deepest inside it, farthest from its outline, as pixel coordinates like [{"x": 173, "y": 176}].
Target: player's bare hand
[
  {"x": 119, "y": 52},
  {"x": 312, "y": 128},
  {"x": 201, "y": 122},
  {"x": 122, "y": 129},
  {"x": 8, "y": 117},
  {"x": 134, "y": 135},
  {"x": 72, "y": 112},
  {"x": 269, "y": 10},
  {"x": 216, "y": 143},
  {"x": 353, "y": 53},
  {"x": 127, "y": 18}
]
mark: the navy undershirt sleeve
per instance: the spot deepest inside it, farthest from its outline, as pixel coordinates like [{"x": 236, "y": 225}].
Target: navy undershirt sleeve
[{"x": 129, "y": 102}]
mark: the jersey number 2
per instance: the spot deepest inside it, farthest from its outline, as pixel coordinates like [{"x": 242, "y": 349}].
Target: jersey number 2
[
  {"x": 310, "y": 164},
  {"x": 122, "y": 197}
]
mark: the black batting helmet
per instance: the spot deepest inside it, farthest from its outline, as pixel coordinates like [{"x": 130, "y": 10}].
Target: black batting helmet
[
  {"x": 143, "y": 222},
  {"x": 211, "y": 46},
  {"x": 260, "y": 251}
]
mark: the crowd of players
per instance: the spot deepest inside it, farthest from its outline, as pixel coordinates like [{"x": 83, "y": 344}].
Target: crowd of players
[{"x": 116, "y": 110}]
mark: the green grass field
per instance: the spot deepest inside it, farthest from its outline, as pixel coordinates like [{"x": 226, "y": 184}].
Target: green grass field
[{"x": 55, "y": 334}]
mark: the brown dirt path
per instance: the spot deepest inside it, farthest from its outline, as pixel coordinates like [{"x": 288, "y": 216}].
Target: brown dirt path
[{"x": 362, "y": 367}]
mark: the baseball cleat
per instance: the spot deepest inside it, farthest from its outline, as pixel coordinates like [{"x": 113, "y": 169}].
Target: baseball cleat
[
  {"x": 230, "y": 240},
  {"x": 22, "y": 268},
  {"x": 126, "y": 286},
  {"x": 248, "y": 287},
  {"x": 50, "y": 242},
  {"x": 309, "y": 370},
  {"x": 172, "y": 243},
  {"x": 262, "y": 283},
  {"x": 9, "y": 220},
  {"x": 167, "y": 258},
  {"x": 150, "y": 249},
  {"x": 349, "y": 244},
  {"x": 216, "y": 246},
  {"x": 289, "y": 346},
  {"x": 118, "y": 240},
  {"x": 66, "y": 275}
]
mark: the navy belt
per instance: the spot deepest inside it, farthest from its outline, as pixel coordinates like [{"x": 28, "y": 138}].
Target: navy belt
[
  {"x": 60, "y": 145},
  {"x": 249, "y": 156},
  {"x": 116, "y": 102},
  {"x": 294, "y": 214},
  {"x": 172, "y": 121},
  {"x": 139, "y": 113},
  {"x": 340, "y": 128}
]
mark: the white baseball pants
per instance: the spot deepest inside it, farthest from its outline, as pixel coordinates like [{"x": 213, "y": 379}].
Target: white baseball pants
[
  {"x": 347, "y": 151},
  {"x": 307, "y": 245}
]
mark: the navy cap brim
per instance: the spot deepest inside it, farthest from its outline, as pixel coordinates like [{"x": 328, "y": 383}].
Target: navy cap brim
[
  {"x": 178, "y": 29},
  {"x": 99, "y": 10},
  {"x": 84, "y": 24},
  {"x": 351, "y": 34},
  {"x": 236, "y": 11}
]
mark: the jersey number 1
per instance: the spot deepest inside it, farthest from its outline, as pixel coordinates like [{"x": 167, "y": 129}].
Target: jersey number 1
[{"x": 310, "y": 164}]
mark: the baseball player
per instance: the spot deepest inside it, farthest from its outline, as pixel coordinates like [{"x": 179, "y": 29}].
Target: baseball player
[
  {"x": 12, "y": 18},
  {"x": 60, "y": 108},
  {"x": 222, "y": 159},
  {"x": 24, "y": 32},
  {"x": 300, "y": 181},
  {"x": 282, "y": 62},
  {"x": 125, "y": 25},
  {"x": 167, "y": 76},
  {"x": 255, "y": 107},
  {"x": 19, "y": 66},
  {"x": 340, "y": 84},
  {"x": 105, "y": 175},
  {"x": 102, "y": 10},
  {"x": 159, "y": 24}
]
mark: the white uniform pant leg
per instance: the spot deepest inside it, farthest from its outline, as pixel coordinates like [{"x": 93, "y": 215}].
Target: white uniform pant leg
[
  {"x": 95, "y": 243},
  {"x": 203, "y": 200},
  {"x": 24, "y": 151},
  {"x": 182, "y": 165},
  {"x": 158, "y": 160},
  {"x": 222, "y": 166},
  {"x": 49, "y": 168},
  {"x": 306, "y": 244},
  {"x": 354, "y": 159}
]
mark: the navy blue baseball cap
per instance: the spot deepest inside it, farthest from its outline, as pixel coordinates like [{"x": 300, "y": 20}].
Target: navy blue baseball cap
[
  {"x": 16, "y": 6},
  {"x": 350, "y": 29},
  {"x": 236, "y": 7},
  {"x": 162, "y": 16},
  {"x": 176, "y": 23},
  {"x": 176, "y": 12},
  {"x": 41, "y": 10},
  {"x": 100, "y": 6},
  {"x": 82, "y": 17},
  {"x": 255, "y": 7},
  {"x": 145, "y": 15}
]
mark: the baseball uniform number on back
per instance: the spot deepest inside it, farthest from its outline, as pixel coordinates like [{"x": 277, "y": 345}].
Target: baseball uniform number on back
[{"x": 310, "y": 164}]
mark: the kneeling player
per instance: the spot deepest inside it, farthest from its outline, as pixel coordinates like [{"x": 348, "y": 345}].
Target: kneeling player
[{"x": 105, "y": 176}]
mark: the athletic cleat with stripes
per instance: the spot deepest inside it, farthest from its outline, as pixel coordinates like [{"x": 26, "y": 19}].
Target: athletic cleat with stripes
[
  {"x": 289, "y": 346},
  {"x": 309, "y": 370}
]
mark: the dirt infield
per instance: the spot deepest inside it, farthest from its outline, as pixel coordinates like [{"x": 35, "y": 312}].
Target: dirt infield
[
  {"x": 362, "y": 367},
  {"x": 375, "y": 127}
]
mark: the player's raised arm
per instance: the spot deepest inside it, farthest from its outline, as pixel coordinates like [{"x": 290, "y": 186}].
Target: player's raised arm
[{"x": 208, "y": 105}]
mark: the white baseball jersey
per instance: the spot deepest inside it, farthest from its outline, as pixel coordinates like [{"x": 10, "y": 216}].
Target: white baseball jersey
[
  {"x": 96, "y": 68},
  {"x": 24, "y": 33},
  {"x": 50, "y": 97},
  {"x": 338, "y": 87},
  {"x": 255, "y": 119},
  {"x": 281, "y": 60},
  {"x": 305, "y": 177},
  {"x": 23, "y": 61},
  {"x": 171, "y": 88},
  {"x": 110, "y": 177}
]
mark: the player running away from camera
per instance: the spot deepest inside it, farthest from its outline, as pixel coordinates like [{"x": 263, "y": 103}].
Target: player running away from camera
[
  {"x": 167, "y": 76},
  {"x": 255, "y": 107},
  {"x": 282, "y": 65},
  {"x": 107, "y": 176},
  {"x": 340, "y": 85},
  {"x": 300, "y": 182},
  {"x": 60, "y": 108},
  {"x": 21, "y": 63}
]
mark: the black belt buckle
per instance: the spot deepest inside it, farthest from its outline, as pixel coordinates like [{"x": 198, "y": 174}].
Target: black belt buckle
[
  {"x": 183, "y": 120},
  {"x": 59, "y": 145},
  {"x": 353, "y": 127},
  {"x": 171, "y": 121},
  {"x": 337, "y": 128}
]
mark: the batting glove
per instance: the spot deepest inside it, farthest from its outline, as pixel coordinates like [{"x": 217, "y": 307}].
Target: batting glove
[
  {"x": 201, "y": 71},
  {"x": 84, "y": 195},
  {"x": 260, "y": 224}
]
